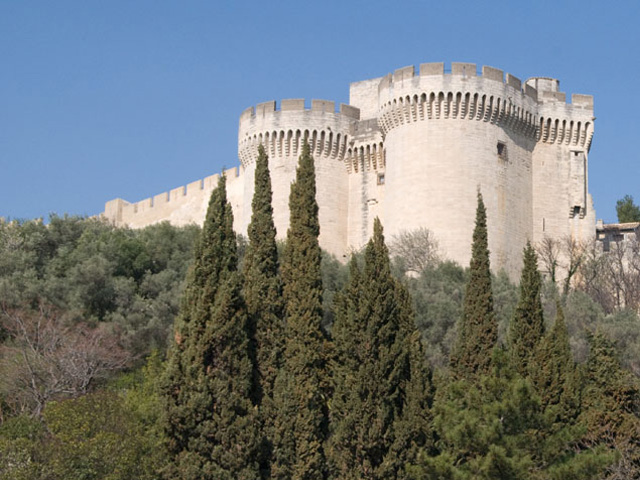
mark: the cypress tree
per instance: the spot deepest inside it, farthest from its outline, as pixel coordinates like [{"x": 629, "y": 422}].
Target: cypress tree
[
  {"x": 380, "y": 401},
  {"x": 554, "y": 373},
  {"x": 209, "y": 418},
  {"x": 414, "y": 431},
  {"x": 263, "y": 295},
  {"x": 526, "y": 329},
  {"x": 301, "y": 422},
  {"x": 492, "y": 426},
  {"x": 346, "y": 331},
  {"x": 477, "y": 330},
  {"x": 611, "y": 389}
]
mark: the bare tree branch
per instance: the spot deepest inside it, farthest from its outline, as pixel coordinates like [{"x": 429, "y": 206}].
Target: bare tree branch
[
  {"x": 46, "y": 359},
  {"x": 418, "y": 249},
  {"x": 548, "y": 251}
]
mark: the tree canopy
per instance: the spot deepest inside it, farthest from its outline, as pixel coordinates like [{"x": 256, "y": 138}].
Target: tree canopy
[{"x": 627, "y": 210}]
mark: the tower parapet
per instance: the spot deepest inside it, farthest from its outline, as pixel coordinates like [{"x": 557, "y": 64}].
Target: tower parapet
[
  {"x": 561, "y": 122},
  {"x": 405, "y": 97},
  {"x": 283, "y": 131}
]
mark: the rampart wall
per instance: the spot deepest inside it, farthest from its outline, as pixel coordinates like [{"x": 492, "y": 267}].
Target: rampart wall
[{"x": 180, "y": 206}]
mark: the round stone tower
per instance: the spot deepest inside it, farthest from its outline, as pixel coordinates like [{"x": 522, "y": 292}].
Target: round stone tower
[
  {"x": 448, "y": 137},
  {"x": 282, "y": 132}
]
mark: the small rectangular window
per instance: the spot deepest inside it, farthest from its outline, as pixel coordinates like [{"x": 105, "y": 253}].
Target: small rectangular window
[
  {"x": 381, "y": 179},
  {"x": 502, "y": 152}
]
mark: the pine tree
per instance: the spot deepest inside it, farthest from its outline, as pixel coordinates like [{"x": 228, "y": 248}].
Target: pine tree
[
  {"x": 381, "y": 381},
  {"x": 301, "y": 422},
  {"x": 483, "y": 426},
  {"x": 210, "y": 422},
  {"x": 611, "y": 405},
  {"x": 627, "y": 210},
  {"x": 526, "y": 329},
  {"x": 263, "y": 295},
  {"x": 477, "y": 330}
]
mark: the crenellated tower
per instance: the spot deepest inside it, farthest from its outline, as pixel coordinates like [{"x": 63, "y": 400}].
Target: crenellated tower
[
  {"x": 282, "y": 132},
  {"x": 562, "y": 205},
  {"x": 446, "y": 134}
]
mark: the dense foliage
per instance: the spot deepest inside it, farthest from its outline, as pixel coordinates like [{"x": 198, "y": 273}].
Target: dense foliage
[
  {"x": 377, "y": 427},
  {"x": 91, "y": 272},
  {"x": 294, "y": 366}
]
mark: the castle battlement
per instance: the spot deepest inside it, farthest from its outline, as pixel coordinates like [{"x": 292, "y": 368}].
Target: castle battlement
[
  {"x": 433, "y": 75},
  {"x": 282, "y": 131},
  {"x": 166, "y": 205},
  {"x": 413, "y": 147}
]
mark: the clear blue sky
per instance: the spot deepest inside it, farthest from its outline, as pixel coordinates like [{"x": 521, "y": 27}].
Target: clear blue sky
[{"x": 106, "y": 99}]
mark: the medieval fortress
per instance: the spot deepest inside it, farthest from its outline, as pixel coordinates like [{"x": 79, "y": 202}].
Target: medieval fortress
[{"x": 414, "y": 148}]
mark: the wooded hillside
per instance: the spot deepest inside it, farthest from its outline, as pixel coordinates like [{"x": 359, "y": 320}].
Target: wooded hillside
[{"x": 194, "y": 353}]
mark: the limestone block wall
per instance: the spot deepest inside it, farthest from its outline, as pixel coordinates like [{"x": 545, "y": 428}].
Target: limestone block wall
[{"x": 364, "y": 96}]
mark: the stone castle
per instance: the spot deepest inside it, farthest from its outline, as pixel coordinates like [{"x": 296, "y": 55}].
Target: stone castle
[{"x": 414, "y": 148}]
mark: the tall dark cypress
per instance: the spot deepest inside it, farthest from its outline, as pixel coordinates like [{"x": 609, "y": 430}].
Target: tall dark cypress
[
  {"x": 380, "y": 398},
  {"x": 210, "y": 422},
  {"x": 263, "y": 295},
  {"x": 554, "y": 374},
  {"x": 414, "y": 430},
  {"x": 526, "y": 329},
  {"x": 301, "y": 423},
  {"x": 478, "y": 329}
]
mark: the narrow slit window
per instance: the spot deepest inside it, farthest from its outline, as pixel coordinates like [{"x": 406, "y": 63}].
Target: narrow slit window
[{"x": 502, "y": 152}]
